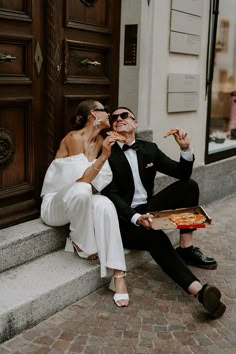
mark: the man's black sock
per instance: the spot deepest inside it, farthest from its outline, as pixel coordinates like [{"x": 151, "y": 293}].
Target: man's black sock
[{"x": 185, "y": 249}]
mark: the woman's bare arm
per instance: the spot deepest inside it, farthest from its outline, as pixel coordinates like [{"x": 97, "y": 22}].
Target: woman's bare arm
[{"x": 94, "y": 169}]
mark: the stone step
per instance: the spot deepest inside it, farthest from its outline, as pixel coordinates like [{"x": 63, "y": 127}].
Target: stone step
[
  {"x": 24, "y": 242},
  {"x": 38, "y": 278},
  {"x": 36, "y": 290}
]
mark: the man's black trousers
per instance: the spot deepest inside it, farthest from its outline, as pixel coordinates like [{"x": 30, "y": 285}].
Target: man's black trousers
[{"x": 177, "y": 195}]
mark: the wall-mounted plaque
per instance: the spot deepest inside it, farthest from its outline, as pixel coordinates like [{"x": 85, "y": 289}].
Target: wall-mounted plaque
[
  {"x": 194, "y": 7},
  {"x": 183, "y": 83},
  {"x": 182, "y": 102},
  {"x": 130, "y": 45},
  {"x": 185, "y": 23},
  {"x": 184, "y": 43}
]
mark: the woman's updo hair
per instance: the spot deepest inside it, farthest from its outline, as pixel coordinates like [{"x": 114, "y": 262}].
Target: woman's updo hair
[{"x": 80, "y": 118}]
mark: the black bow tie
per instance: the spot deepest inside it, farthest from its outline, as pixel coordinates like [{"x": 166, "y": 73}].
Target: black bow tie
[{"x": 134, "y": 146}]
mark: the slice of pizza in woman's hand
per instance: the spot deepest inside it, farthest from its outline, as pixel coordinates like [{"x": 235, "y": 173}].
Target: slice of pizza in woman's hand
[
  {"x": 170, "y": 132},
  {"x": 183, "y": 219},
  {"x": 117, "y": 136}
]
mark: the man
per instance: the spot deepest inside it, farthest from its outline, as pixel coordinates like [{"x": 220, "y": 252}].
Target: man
[
  {"x": 131, "y": 190},
  {"x": 134, "y": 172}
]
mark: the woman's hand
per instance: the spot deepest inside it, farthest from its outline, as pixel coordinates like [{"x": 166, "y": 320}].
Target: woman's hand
[{"x": 107, "y": 144}]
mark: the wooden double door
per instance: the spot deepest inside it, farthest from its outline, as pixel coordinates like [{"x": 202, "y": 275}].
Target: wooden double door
[{"x": 53, "y": 54}]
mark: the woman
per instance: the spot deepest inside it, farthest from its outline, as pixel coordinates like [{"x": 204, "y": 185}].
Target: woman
[{"x": 71, "y": 195}]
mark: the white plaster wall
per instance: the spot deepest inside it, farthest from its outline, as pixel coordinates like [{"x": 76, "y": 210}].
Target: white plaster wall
[
  {"x": 134, "y": 81},
  {"x": 143, "y": 88},
  {"x": 129, "y": 75}
]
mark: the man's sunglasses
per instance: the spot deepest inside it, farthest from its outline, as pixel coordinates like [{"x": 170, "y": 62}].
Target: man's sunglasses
[{"x": 123, "y": 115}]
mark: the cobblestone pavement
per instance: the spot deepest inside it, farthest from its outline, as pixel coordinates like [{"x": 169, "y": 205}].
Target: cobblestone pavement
[{"x": 161, "y": 318}]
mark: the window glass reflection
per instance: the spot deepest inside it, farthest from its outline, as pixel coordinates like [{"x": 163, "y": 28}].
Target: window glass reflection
[{"x": 223, "y": 99}]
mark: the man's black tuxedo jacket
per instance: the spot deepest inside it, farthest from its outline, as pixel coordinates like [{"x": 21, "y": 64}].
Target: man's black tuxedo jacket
[{"x": 150, "y": 160}]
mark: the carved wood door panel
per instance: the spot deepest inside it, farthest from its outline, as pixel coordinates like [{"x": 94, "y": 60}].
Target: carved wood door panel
[
  {"x": 53, "y": 54},
  {"x": 89, "y": 41},
  {"x": 20, "y": 111}
]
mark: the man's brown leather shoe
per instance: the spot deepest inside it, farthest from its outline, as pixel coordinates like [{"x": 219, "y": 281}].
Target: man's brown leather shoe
[{"x": 209, "y": 296}]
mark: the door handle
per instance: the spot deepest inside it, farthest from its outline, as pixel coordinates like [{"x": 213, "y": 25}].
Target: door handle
[
  {"x": 90, "y": 62},
  {"x": 6, "y": 58}
]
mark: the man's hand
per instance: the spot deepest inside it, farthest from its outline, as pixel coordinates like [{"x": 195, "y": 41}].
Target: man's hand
[
  {"x": 182, "y": 138},
  {"x": 145, "y": 220}
]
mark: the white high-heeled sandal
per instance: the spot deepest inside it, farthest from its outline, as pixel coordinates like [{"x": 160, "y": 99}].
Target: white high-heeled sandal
[
  {"x": 118, "y": 297},
  {"x": 71, "y": 247}
]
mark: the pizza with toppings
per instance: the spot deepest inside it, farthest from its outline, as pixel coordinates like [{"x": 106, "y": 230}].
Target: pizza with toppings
[
  {"x": 117, "y": 136},
  {"x": 170, "y": 132},
  {"x": 182, "y": 219}
]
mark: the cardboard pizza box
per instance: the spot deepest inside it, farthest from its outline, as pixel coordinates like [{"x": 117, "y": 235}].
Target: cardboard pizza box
[{"x": 161, "y": 218}]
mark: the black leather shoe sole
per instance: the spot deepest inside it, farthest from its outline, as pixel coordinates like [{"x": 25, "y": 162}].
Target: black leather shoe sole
[{"x": 211, "y": 301}]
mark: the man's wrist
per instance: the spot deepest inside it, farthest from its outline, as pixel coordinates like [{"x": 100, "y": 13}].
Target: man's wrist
[
  {"x": 135, "y": 218},
  {"x": 185, "y": 148}
]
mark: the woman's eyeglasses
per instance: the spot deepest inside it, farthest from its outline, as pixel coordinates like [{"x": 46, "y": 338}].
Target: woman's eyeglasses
[{"x": 123, "y": 115}]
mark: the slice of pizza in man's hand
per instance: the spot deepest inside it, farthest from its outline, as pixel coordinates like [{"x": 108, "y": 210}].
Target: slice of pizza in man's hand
[{"x": 170, "y": 132}]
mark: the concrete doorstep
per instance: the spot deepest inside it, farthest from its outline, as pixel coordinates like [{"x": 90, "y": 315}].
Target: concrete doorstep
[
  {"x": 37, "y": 279},
  {"x": 21, "y": 243}
]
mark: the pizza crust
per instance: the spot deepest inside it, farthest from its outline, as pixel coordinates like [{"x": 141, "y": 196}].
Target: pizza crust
[
  {"x": 170, "y": 132},
  {"x": 117, "y": 136}
]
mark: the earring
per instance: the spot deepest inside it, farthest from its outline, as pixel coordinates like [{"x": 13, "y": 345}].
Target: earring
[{"x": 96, "y": 122}]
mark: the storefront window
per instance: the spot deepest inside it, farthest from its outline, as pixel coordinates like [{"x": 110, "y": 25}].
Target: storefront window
[{"x": 222, "y": 93}]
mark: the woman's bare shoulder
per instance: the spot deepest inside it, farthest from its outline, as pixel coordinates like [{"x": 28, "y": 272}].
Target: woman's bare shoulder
[
  {"x": 74, "y": 135},
  {"x": 74, "y": 142},
  {"x": 71, "y": 144},
  {"x": 62, "y": 150}
]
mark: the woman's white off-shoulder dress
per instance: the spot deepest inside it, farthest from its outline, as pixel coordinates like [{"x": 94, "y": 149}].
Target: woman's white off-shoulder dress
[{"x": 92, "y": 217}]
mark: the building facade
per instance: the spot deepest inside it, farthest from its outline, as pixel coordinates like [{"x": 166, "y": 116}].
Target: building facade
[{"x": 185, "y": 77}]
